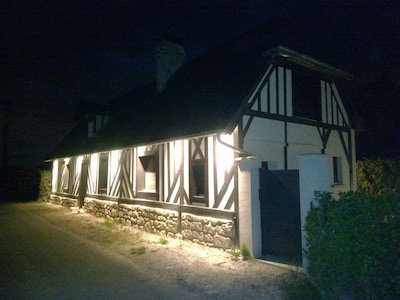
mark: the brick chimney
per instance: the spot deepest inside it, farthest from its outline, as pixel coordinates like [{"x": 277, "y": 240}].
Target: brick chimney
[{"x": 170, "y": 55}]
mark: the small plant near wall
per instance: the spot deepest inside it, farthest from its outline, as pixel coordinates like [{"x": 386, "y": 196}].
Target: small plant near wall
[
  {"x": 245, "y": 251},
  {"x": 108, "y": 224},
  {"x": 235, "y": 252},
  {"x": 138, "y": 250},
  {"x": 162, "y": 241}
]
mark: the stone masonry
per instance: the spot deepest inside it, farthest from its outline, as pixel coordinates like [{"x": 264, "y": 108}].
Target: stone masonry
[
  {"x": 64, "y": 201},
  {"x": 207, "y": 231}
]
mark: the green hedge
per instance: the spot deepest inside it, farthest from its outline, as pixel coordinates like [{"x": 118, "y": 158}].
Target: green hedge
[
  {"x": 354, "y": 244},
  {"x": 45, "y": 186},
  {"x": 378, "y": 176}
]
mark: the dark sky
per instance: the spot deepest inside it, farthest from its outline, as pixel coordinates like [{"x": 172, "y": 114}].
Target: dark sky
[{"x": 55, "y": 54}]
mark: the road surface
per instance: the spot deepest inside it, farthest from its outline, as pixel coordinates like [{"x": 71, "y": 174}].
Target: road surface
[{"x": 41, "y": 261}]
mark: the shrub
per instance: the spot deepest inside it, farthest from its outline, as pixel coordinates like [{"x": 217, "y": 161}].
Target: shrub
[
  {"x": 353, "y": 244},
  {"x": 45, "y": 186},
  {"x": 378, "y": 176},
  {"x": 298, "y": 286}
]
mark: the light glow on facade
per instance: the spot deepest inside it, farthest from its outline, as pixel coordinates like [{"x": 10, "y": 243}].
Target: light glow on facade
[
  {"x": 114, "y": 162},
  {"x": 224, "y": 158},
  {"x": 54, "y": 178}
]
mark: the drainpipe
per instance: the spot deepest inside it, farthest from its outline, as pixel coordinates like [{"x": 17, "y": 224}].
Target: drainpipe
[{"x": 242, "y": 153}]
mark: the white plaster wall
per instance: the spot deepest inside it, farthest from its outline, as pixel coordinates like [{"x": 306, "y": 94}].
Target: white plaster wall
[
  {"x": 210, "y": 153},
  {"x": 265, "y": 130},
  {"x": 303, "y": 135},
  {"x": 269, "y": 152},
  {"x": 114, "y": 162},
  {"x": 186, "y": 166},
  {"x": 249, "y": 205},
  {"x": 265, "y": 141},
  {"x": 54, "y": 174},
  {"x": 313, "y": 176},
  {"x": 94, "y": 169},
  {"x": 294, "y": 150}
]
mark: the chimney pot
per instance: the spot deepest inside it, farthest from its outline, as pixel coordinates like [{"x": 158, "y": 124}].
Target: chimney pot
[{"x": 170, "y": 56}]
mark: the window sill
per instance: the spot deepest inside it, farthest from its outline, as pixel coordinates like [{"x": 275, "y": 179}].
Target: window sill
[
  {"x": 337, "y": 184},
  {"x": 146, "y": 194},
  {"x": 147, "y": 191},
  {"x": 201, "y": 204}
]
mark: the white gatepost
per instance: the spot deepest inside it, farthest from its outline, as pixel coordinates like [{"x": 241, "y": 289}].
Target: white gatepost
[
  {"x": 249, "y": 214},
  {"x": 314, "y": 175}
]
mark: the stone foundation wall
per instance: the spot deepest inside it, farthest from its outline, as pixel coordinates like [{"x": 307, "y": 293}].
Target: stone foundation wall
[
  {"x": 207, "y": 231},
  {"x": 64, "y": 201}
]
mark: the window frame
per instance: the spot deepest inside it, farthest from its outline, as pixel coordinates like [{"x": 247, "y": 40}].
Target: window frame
[
  {"x": 195, "y": 196},
  {"x": 103, "y": 173},
  {"x": 148, "y": 160},
  {"x": 198, "y": 157},
  {"x": 337, "y": 170},
  {"x": 66, "y": 175}
]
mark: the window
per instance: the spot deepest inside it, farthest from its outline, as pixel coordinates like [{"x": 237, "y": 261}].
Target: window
[
  {"x": 148, "y": 172},
  {"x": 306, "y": 96},
  {"x": 103, "y": 174},
  {"x": 90, "y": 128},
  {"x": 149, "y": 164},
  {"x": 65, "y": 178},
  {"x": 198, "y": 172},
  {"x": 337, "y": 170},
  {"x": 198, "y": 181},
  {"x": 96, "y": 123}
]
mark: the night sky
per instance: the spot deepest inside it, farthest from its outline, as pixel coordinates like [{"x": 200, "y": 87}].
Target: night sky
[{"x": 54, "y": 55}]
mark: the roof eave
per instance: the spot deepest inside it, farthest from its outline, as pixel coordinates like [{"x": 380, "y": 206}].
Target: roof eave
[
  {"x": 307, "y": 61},
  {"x": 189, "y": 136}
]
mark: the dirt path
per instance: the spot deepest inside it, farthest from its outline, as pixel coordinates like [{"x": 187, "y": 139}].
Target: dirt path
[
  {"x": 41, "y": 261},
  {"x": 209, "y": 272}
]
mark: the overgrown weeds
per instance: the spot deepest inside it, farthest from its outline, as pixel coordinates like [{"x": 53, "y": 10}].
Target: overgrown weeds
[
  {"x": 109, "y": 224},
  {"x": 245, "y": 251},
  {"x": 235, "y": 252}
]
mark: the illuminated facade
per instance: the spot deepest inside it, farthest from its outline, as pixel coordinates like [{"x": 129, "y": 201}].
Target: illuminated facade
[{"x": 181, "y": 150}]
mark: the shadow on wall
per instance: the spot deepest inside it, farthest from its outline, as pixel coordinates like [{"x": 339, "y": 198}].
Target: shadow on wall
[{"x": 18, "y": 184}]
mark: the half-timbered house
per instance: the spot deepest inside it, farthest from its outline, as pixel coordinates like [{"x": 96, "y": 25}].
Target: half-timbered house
[{"x": 212, "y": 151}]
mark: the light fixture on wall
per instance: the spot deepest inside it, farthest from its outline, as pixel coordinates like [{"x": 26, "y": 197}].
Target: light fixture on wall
[{"x": 244, "y": 157}]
